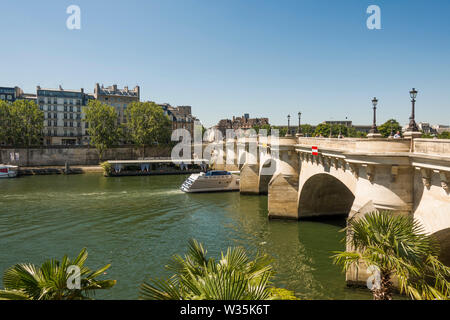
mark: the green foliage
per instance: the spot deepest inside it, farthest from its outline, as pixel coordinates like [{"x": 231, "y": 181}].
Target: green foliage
[
  {"x": 107, "y": 168},
  {"x": 21, "y": 123},
  {"x": 147, "y": 124},
  {"x": 307, "y": 130},
  {"x": 103, "y": 129},
  {"x": 322, "y": 130},
  {"x": 389, "y": 126},
  {"x": 444, "y": 135},
  {"x": 26, "y": 281},
  {"x": 197, "y": 277},
  {"x": 399, "y": 248}
]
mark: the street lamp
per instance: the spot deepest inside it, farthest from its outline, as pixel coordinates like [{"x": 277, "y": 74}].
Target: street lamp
[
  {"x": 373, "y": 132},
  {"x": 412, "y": 122},
  {"x": 288, "y": 133},
  {"x": 299, "y": 122},
  {"x": 374, "y": 128}
]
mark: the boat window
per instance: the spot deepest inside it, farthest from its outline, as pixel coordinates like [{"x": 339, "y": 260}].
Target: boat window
[{"x": 217, "y": 173}]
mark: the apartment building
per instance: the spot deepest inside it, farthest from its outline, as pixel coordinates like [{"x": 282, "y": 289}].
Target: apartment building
[
  {"x": 180, "y": 116},
  {"x": 116, "y": 97},
  {"x": 63, "y": 114}
]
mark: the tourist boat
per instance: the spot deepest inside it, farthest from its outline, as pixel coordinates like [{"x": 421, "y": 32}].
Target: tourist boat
[
  {"x": 211, "y": 181},
  {"x": 7, "y": 171}
]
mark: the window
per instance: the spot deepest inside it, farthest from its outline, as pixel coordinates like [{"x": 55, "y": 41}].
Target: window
[
  {"x": 55, "y": 132},
  {"x": 49, "y": 132},
  {"x": 86, "y": 125},
  {"x": 71, "y": 116},
  {"x": 65, "y": 115},
  {"x": 65, "y": 108},
  {"x": 55, "y": 108},
  {"x": 71, "y": 109},
  {"x": 71, "y": 123},
  {"x": 55, "y": 116},
  {"x": 41, "y": 107},
  {"x": 2, "y": 97},
  {"x": 55, "y": 123},
  {"x": 49, "y": 123},
  {"x": 65, "y": 123}
]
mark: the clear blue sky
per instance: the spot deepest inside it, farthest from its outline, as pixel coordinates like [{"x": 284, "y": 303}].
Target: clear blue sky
[{"x": 266, "y": 58}]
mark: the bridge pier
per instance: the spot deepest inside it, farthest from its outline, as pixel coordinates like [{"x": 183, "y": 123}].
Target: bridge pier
[{"x": 283, "y": 187}]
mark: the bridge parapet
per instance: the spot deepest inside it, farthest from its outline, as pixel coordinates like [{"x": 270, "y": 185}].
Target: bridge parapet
[{"x": 439, "y": 147}]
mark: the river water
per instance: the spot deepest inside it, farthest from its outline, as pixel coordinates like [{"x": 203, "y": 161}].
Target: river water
[{"x": 138, "y": 223}]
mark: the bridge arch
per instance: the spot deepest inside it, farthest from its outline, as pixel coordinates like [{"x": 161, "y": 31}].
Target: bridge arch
[
  {"x": 266, "y": 172},
  {"x": 443, "y": 238},
  {"x": 323, "y": 194}
]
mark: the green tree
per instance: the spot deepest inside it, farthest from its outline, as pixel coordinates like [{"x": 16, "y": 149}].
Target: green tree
[
  {"x": 307, "y": 130},
  {"x": 103, "y": 130},
  {"x": 49, "y": 282},
  {"x": 147, "y": 124},
  {"x": 322, "y": 130},
  {"x": 5, "y": 120},
  {"x": 389, "y": 126},
  {"x": 197, "y": 277},
  {"x": 444, "y": 135},
  {"x": 21, "y": 123},
  {"x": 397, "y": 247}
]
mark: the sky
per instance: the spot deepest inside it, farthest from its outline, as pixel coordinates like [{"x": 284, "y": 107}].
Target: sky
[{"x": 225, "y": 58}]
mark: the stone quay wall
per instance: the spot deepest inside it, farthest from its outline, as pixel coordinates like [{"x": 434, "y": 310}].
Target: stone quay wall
[{"x": 75, "y": 155}]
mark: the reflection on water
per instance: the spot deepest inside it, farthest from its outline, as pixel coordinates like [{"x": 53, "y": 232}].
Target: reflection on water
[{"x": 138, "y": 223}]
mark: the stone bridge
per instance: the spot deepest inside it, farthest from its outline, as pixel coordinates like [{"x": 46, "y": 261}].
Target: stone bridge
[{"x": 348, "y": 177}]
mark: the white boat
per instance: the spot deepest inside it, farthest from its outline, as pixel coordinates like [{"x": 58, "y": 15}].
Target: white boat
[
  {"x": 211, "y": 181},
  {"x": 8, "y": 171}
]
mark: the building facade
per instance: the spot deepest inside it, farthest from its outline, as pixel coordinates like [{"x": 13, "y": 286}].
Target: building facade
[
  {"x": 117, "y": 98},
  {"x": 243, "y": 123},
  {"x": 63, "y": 115},
  {"x": 180, "y": 116}
]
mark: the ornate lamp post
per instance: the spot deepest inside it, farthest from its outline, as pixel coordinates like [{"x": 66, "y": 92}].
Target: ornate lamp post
[
  {"x": 412, "y": 122},
  {"x": 373, "y": 133},
  {"x": 413, "y": 131},
  {"x": 288, "y": 133},
  {"x": 299, "y": 131}
]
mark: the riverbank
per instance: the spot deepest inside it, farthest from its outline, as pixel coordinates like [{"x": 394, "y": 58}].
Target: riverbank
[{"x": 46, "y": 170}]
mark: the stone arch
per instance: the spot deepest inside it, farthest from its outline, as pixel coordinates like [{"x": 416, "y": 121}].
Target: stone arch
[
  {"x": 324, "y": 195},
  {"x": 443, "y": 238},
  {"x": 266, "y": 172}
]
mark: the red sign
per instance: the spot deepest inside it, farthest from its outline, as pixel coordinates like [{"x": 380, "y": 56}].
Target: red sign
[{"x": 315, "y": 151}]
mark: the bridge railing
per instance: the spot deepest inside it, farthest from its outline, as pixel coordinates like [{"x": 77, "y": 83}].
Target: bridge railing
[
  {"x": 358, "y": 145},
  {"x": 439, "y": 147}
]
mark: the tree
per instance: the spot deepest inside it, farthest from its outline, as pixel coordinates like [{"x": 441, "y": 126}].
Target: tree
[
  {"x": 147, "y": 124},
  {"x": 307, "y": 130},
  {"x": 444, "y": 135},
  {"x": 4, "y": 122},
  {"x": 234, "y": 277},
  {"x": 103, "y": 130},
  {"x": 322, "y": 130},
  {"x": 21, "y": 123},
  {"x": 397, "y": 247},
  {"x": 26, "y": 281},
  {"x": 389, "y": 126}
]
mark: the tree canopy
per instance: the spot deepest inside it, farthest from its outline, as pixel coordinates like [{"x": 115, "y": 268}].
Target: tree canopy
[
  {"x": 147, "y": 124},
  {"x": 21, "y": 123},
  {"x": 103, "y": 130},
  {"x": 389, "y": 126}
]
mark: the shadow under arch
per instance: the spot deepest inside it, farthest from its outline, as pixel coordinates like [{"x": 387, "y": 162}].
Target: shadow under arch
[
  {"x": 443, "y": 238},
  {"x": 265, "y": 175},
  {"x": 323, "y": 195},
  {"x": 242, "y": 160}
]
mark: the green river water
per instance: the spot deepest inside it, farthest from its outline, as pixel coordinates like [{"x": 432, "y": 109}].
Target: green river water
[{"x": 138, "y": 223}]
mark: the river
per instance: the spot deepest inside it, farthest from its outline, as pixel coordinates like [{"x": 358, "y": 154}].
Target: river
[{"x": 138, "y": 223}]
